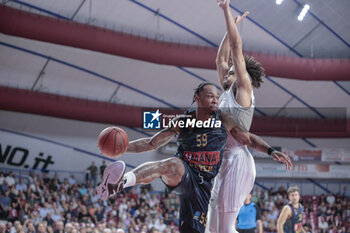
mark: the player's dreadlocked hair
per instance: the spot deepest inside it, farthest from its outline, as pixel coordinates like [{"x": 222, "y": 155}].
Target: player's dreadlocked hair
[
  {"x": 255, "y": 71},
  {"x": 200, "y": 88}
]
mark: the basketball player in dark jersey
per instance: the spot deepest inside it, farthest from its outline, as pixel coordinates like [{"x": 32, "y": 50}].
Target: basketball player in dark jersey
[
  {"x": 196, "y": 162},
  {"x": 291, "y": 217}
]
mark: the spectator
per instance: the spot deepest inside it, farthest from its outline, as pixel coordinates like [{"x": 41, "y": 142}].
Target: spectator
[
  {"x": 330, "y": 198},
  {"x": 5, "y": 200},
  {"x": 46, "y": 178},
  {"x": 59, "y": 227},
  {"x": 40, "y": 228},
  {"x": 48, "y": 219},
  {"x": 102, "y": 168},
  {"x": 345, "y": 191},
  {"x": 2, "y": 227},
  {"x": 71, "y": 201},
  {"x": 2, "y": 177},
  {"x": 83, "y": 215},
  {"x": 10, "y": 179},
  {"x": 30, "y": 227},
  {"x": 71, "y": 180},
  {"x": 322, "y": 225},
  {"x": 68, "y": 228},
  {"x": 93, "y": 173},
  {"x": 21, "y": 186},
  {"x": 4, "y": 187}
]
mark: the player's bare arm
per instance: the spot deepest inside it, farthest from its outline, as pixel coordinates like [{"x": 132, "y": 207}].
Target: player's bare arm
[
  {"x": 160, "y": 139},
  {"x": 223, "y": 55},
  {"x": 222, "y": 60},
  {"x": 285, "y": 214},
  {"x": 253, "y": 141},
  {"x": 235, "y": 41}
]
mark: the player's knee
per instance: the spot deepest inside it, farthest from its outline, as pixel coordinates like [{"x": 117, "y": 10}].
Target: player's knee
[{"x": 173, "y": 165}]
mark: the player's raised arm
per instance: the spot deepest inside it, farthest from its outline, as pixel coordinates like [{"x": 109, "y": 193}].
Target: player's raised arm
[
  {"x": 223, "y": 55},
  {"x": 237, "y": 57},
  {"x": 253, "y": 141},
  {"x": 161, "y": 138},
  {"x": 222, "y": 60}
]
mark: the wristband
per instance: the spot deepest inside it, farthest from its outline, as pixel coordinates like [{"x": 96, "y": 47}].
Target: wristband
[{"x": 270, "y": 150}]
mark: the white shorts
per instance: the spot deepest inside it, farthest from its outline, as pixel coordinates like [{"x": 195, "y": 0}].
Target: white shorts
[{"x": 234, "y": 181}]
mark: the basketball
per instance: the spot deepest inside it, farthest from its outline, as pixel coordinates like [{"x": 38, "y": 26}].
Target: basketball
[{"x": 112, "y": 142}]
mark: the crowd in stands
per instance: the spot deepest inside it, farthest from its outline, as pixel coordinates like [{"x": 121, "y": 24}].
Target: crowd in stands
[
  {"x": 324, "y": 214},
  {"x": 40, "y": 204}
]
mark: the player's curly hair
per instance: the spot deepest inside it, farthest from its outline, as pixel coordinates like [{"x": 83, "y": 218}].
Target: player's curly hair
[
  {"x": 255, "y": 71},
  {"x": 200, "y": 88}
]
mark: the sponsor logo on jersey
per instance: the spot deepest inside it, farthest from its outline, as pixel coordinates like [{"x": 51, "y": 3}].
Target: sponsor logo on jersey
[{"x": 202, "y": 157}]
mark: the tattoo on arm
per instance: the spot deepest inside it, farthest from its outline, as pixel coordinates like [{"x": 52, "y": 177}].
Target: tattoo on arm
[
  {"x": 243, "y": 136},
  {"x": 258, "y": 144},
  {"x": 147, "y": 144}
]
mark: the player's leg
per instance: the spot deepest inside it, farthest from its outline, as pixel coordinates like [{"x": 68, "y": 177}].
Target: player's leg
[
  {"x": 227, "y": 221},
  {"x": 113, "y": 173},
  {"x": 185, "y": 228},
  {"x": 171, "y": 170},
  {"x": 212, "y": 216},
  {"x": 212, "y": 220},
  {"x": 238, "y": 183}
]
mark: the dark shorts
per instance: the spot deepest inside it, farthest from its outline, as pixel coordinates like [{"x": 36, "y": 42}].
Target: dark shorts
[
  {"x": 251, "y": 230},
  {"x": 194, "y": 194}
]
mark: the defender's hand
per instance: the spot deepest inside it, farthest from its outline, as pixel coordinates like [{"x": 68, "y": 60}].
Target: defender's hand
[
  {"x": 240, "y": 18},
  {"x": 281, "y": 157},
  {"x": 224, "y": 4}
]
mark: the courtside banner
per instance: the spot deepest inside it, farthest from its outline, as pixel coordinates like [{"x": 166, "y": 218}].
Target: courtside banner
[
  {"x": 312, "y": 155},
  {"x": 22, "y": 151},
  {"x": 331, "y": 155},
  {"x": 329, "y": 171}
]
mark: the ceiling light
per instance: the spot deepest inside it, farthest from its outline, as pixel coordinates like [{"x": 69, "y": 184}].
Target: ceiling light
[
  {"x": 278, "y": 2},
  {"x": 303, "y": 12}
]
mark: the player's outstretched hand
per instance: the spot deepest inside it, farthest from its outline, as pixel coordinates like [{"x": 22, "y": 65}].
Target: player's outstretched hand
[
  {"x": 240, "y": 18},
  {"x": 281, "y": 157},
  {"x": 223, "y": 3}
]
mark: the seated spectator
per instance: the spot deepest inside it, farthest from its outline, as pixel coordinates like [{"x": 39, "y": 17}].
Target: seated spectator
[
  {"x": 59, "y": 227},
  {"x": 273, "y": 214},
  {"x": 2, "y": 228},
  {"x": 330, "y": 199},
  {"x": 21, "y": 186},
  {"x": 30, "y": 227},
  {"x": 2, "y": 177},
  {"x": 10, "y": 178},
  {"x": 5, "y": 200},
  {"x": 71, "y": 180},
  {"x": 48, "y": 219},
  {"x": 322, "y": 225},
  {"x": 4, "y": 187}
]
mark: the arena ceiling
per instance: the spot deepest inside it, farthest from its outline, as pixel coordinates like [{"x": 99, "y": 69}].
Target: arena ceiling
[{"x": 33, "y": 59}]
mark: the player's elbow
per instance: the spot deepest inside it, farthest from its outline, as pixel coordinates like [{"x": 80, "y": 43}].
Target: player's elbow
[
  {"x": 220, "y": 62},
  {"x": 244, "y": 140},
  {"x": 279, "y": 226},
  {"x": 152, "y": 144},
  {"x": 236, "y": 45}
]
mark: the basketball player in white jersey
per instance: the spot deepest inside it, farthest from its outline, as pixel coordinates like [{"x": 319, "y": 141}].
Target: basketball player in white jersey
[{"x": 236, "y": 176}]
